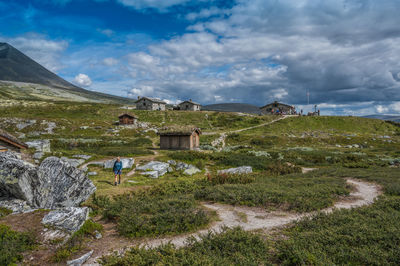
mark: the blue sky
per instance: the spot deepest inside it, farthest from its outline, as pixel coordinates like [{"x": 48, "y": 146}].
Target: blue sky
[{"x": 346, "y": 53}]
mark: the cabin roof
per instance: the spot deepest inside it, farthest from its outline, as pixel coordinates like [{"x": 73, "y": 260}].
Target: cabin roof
[
  {"x": 154, "y": 100},
  {"x": 12, "y": 140},
  {"x": 189, "y": 101},
  {"x": 290, "y": 106},
  {"x": 184, "y": 131},
  {"x": 125, "y": 114}
]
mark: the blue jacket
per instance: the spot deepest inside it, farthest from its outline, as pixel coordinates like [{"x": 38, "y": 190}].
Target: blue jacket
[{"x": 117, "y": 166}]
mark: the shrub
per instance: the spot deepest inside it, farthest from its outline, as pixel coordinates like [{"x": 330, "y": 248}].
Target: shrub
[
  {"x": 149, "y": 215},
  {"x": 230, "y": 247},
  {"x": 219, "y": 179},
  {"x": 13, "y": 244},
  {"x": 4, "y": 212}
]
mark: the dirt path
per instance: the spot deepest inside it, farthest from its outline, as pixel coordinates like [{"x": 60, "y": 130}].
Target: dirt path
[
  {"x": 246, "y": 217},
  {"x": 221, "y": 139}
]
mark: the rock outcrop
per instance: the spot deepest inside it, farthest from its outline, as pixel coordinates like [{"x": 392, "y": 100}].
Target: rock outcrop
[
  {"x": 68, "y": 219},
  {"x": 154, "y": 169},
  {"x": 40, "y": 145},
  {"x": 238, "y": 170},
  {"x": 127, "y": 163},
  {"x": 55, "y": 183}
]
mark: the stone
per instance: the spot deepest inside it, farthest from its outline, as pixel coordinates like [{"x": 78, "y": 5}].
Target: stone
[
  {"x": 38, "y": 155},
  {"x": 69, "y": 219},
  {"x": 100, "y": 164},
  {"x": 172, "y": 162},
  {"x": 92, "y": 173},
  {"x": 97, "y": 235},
  {"x": 127, "y": 163},
  {"x": 160, "y": 167},
  {"x": 81, "y": 260},
  {"x": 40, "y": 145},
  {"x": 16, "y": 205},
  {"x": 237, "y": 170},
  {"x": 73, "y": 162},
  {"x": 82, "y": 156},
  {"x": 53, "y": 184},
  {"x": 182, "y": 166},
  {"x": 25, "y": 124},
  {"x": 170, "y": 169},
  {"x": 191, "y": 171},
  {"x": 84, "y": 127},
  {"x": 151, "y": 174}
]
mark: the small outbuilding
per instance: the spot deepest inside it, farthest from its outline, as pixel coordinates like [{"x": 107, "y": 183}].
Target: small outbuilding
[
  {"x": 180, "y": 139},
  {"x": 127, "y": 119},
  {"x": 10, "y": 143},
  {"x": 278, "y": 108},
  {"x": 189, "y": 106},
  {"x": 151, "y": 104}
]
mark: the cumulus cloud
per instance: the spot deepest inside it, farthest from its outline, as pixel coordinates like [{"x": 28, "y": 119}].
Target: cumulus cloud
[
  {"x": 110, "y": 61},
  {"x": 160, "y": 5},
  {"x": 83, "y": 80}
]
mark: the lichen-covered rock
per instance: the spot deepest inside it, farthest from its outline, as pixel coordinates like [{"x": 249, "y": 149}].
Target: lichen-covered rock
[
  {"x": 55, "y": 183},
  {"x": 192, "y": 170},
  {"x": 15, "y": 205},
  {"x": 40, "y": 145},
  {"x": 160, "y": 167},
  {"x": 127, "y": 163},
  {"x": 81, "y": 260},
  {"x": 73, "y": 162},
  {"x": 238, "y": 170},
  {"x": 151, "y": 174},
  {"x": 61, "y": 184},
  {"x": 69, "y": 219}
]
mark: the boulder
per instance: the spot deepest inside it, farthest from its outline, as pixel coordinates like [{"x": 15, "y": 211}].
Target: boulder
[
  {"x": 55, "y": 183},
  {"x": 40, "y": 145},
  {"x": 38, "y": 155},
  {"x": 15, "y": 205},
  {"x": 73, "y": 162},
  {"x": 127, "y": 163},
  {"x": 160, "y": 167},
  {"x": 172, "y": 162},
  {"x": 69, "y": 219},
  {"x": 82, "y": 156},
  {"x": 81, "y": 260},
  {"x": 182, "y": 166},
  {"x": 192, "y": 170},
  {"x": 92, "y": 173},
  {"x": 151, "y": 174},
  {"x": 238, "y": 170}
]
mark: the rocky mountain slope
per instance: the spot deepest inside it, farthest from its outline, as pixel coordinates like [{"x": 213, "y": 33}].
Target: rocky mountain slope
[{"x": 23, "y": 78}]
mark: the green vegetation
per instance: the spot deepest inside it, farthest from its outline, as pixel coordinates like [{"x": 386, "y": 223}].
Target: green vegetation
[
  {"x": 77, "y": 241},
  {"x": 4, "y": 212},
  {"x": 231, "y": 247},
  {"x": 13, "y": 244}
]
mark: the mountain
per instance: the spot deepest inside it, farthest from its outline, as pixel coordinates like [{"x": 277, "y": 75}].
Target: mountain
[
  {"x": 23, "y": 78},
  {"x": 393, "y": 118},
  {"x": 232, "y": 107}
]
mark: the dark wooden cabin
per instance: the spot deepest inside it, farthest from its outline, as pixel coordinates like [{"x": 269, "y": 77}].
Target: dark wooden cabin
[
  {"x": 127, "y": 119},
  {"x": 10, "y": 143},
  {"x": 180, "y": 139}
]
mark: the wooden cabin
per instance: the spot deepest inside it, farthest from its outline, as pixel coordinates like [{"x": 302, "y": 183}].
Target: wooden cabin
[
  {"x": 278, "y": 108},
  {"x": 127, "y": 119},
  {"x": 10, "y": 143},
  {"x": 151, "y": 104},
  {"x": 189, "y": 106},
  {"x": 180, "y": 139}
]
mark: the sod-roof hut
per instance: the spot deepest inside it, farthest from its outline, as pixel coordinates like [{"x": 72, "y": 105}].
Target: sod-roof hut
[{"x": 180, "y": 139}]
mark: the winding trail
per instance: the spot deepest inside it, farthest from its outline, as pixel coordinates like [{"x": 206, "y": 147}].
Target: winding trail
[
  {"x": 221, "y": 139},
  {"x": 248, "y": 218}
]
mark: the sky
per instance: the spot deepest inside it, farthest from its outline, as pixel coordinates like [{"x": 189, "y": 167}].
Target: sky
[{"x": 344, "y": 53}]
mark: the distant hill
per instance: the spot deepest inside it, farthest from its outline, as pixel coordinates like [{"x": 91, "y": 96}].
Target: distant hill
[
  {"x": 21, "y": 72},
  {"x": 393, "y": 118},
  {"x": 232, "y": 107}
]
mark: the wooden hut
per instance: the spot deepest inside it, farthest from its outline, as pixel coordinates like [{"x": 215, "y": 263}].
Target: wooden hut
[
  {"x": 127, "y": 119},
  {"x": 9, "y": 142},
  {"x": 180, "y": 139}
]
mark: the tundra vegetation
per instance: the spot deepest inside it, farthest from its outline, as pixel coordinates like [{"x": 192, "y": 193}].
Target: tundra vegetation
[{"x": 142, "y": 207}]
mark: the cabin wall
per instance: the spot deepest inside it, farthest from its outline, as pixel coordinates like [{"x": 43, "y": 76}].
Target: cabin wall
[
  {"x": 189, "y": 107},
  {"x": 175, "y": 142},
  {"x": 126, "y": 121}
]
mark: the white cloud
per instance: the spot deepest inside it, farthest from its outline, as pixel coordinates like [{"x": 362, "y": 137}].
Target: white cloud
[
  {"x": 83, "y": 80},
  {"x": 106, "y": 32},
  {"x": 381, "y": 109},
  {"x": 110, "y": 61},
  {"x": 156, "y": 4}
]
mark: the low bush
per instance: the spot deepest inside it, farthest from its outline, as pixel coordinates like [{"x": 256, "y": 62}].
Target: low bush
[
  {"x": 4, "y": 212},
  {"x": 230, "y": 247},
  {"x": 143, "y": 214},
  {"x": 219, "y": 179},
  {"x": 365, "y": 236},
  {"x": 13, "y": 244}
]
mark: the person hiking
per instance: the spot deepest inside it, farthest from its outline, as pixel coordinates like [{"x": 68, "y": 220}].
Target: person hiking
[{"x": 117, "y": 169}]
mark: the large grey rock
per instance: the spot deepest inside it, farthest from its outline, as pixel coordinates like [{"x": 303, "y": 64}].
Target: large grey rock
[
  {"x": 40, "y": 145},
  {"x": 151, "y": 174},
  {"x": 55, "y": 183},
  {"x": 160, "y": 167},
  {"x": 82, "y": 156},
  {"x": 182, "y": 166},
  {"x": 81, "y": 260},
  {"x": 192, "y": 170},
  {"x": 69, "y": 219},
  {"x": 238, "y": 170},
  {"x": 38, "y": 155},
  {"x": 73, "y": 162},
  {"x": 127, "y": 163},
  {"x": 15, "y": 205}
]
